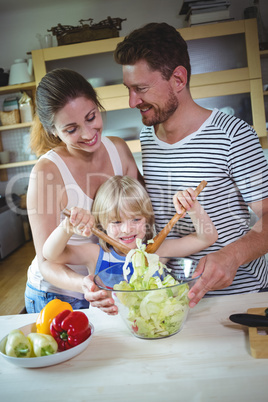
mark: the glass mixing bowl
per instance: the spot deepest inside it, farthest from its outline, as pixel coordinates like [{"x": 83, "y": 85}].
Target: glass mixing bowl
[{"x": 152, "y": 313}]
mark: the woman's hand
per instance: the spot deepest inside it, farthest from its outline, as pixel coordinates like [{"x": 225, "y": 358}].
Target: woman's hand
[
  {"x": 80, "y": 222},
  {"x": 98, "y": 297}
]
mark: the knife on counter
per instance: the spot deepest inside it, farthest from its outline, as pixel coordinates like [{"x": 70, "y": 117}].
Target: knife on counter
[{"x": 251, "y": 320}]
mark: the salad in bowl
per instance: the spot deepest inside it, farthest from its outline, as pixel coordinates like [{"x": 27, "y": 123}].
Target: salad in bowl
[{"x": 150, "y": 292}]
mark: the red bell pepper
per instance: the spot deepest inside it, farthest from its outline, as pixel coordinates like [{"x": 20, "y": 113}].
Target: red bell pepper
[{"x": 70, "y": 328}]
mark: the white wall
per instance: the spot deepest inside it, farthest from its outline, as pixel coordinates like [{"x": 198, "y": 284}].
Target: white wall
[
  {"x": 21, "y": 20},
  {"x": 20, "y": 25}
]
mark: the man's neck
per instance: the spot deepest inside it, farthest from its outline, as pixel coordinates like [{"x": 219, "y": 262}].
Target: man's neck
[{"x": 186, "y": 120}]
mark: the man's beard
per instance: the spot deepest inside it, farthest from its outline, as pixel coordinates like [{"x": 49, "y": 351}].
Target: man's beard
[{"x": 164, "y": 114}]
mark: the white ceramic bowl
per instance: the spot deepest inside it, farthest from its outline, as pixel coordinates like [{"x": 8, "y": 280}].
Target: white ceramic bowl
[{"x": 44, "y": 361}]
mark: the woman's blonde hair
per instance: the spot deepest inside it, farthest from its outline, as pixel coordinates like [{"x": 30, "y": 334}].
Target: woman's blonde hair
[
  {"x": 55, "y": 90},
  {"x": 122, "y": 195}
]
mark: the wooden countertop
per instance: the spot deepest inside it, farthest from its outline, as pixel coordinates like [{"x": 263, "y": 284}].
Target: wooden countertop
[{"x": 209, "y": 360}]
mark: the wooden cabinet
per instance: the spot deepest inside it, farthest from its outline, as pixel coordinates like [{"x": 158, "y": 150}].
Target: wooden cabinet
[
  {"x": 238, "y": 79},
  {"x": 244, "y": 79},
  {"x": 264, "y": 64},
  {"x": 29, "y": 87},
  {"x": 225, "y": 82}
]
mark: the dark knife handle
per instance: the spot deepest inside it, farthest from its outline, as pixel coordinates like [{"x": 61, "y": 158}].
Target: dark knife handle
[{"x": 251, "y": 320}]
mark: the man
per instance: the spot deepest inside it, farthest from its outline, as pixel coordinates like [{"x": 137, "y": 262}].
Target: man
[{"x": 182, "y": 144}]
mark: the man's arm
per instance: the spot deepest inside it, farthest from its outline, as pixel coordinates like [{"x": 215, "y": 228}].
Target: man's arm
[{"x": 219, "y": 269}]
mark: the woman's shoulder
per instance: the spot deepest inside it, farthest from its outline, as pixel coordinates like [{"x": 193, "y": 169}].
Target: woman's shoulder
[
  {"x": 121, "y": 147},
  {"x": 126, "y": 156},
  {"x": 117, "y": 141},
  {"x": 46, "y": 164}
]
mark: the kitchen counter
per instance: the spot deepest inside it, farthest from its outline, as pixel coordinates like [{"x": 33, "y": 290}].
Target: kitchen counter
[{"x": 209, "y": 360}]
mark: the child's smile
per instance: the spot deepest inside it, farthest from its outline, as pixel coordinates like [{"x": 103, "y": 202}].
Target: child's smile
[{"x": 127, "y": 230}]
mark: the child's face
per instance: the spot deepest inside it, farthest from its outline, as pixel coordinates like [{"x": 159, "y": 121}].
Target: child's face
[{"x": 127, "y": 230}]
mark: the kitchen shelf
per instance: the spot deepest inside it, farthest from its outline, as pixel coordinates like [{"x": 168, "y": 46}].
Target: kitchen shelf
[
  {"x": 264, "y": 140},
  {"x": 9, "y": 89},
  {"x": 263, "y": 53},
  {"x": 18, "y": 164},
  {"x": 15, "y": 126},
  {"x": 18, "y": 88}
]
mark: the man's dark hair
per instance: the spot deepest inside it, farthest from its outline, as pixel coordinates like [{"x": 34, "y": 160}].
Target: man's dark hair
[{"x": 159, "y": 44}]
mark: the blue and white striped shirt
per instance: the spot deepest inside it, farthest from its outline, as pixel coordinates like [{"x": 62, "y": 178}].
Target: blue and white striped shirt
[{"x": 225, "y": 152}]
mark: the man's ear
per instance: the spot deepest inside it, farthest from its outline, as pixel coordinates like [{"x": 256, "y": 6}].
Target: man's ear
[{"x": 179, "y": 76}]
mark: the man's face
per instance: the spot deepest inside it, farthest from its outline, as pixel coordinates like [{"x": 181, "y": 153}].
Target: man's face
[{"x": 150, "y": 93}]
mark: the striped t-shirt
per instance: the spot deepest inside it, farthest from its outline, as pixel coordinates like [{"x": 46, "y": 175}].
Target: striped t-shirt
[{"x": 225, "y": 152}]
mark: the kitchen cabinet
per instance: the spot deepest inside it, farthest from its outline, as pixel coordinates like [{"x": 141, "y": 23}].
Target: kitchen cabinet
[
  {"x": 223, "y": 82},
  {"x": 28, "y": 87},
  {"x": 264, "y": 67},
  {"x": 234, "y": 74}
]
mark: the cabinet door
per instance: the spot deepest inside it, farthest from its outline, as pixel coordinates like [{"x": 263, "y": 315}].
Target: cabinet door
[{"x": 226, "y": 70}]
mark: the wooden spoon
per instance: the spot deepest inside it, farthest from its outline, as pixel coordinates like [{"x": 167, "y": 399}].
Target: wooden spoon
[
  {"x": 104, "y": 236},
  {"x": 160, "y": 237}
]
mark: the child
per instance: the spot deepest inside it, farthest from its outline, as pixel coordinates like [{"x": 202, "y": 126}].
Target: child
[{"x": 123, "y": 210}]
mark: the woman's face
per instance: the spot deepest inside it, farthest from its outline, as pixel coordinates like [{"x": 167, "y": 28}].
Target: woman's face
[{"x": 79, "y": 125}]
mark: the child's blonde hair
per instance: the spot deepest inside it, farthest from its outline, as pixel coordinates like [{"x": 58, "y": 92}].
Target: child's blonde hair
[{"x": 122, "y": 195}]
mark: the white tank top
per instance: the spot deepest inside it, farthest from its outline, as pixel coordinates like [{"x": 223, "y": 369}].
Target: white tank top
[{"x": 76, "y": 197}]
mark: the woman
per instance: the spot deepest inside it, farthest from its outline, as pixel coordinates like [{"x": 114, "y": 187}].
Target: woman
[{"x": 75, "y": 161}]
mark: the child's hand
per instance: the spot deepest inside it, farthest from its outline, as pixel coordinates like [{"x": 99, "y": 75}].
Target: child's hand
[
  {"x": 184, "y": 199},
  {"x": 80, "y": 222}
]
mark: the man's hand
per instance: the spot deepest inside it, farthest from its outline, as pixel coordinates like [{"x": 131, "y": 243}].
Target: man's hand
[
  {"x": 98, "y": 297},
  {"x": 218, "y": 271}
]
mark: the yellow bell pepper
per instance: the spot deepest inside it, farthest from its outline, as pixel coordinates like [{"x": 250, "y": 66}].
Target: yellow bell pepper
[{"x": 45, "y": 317}]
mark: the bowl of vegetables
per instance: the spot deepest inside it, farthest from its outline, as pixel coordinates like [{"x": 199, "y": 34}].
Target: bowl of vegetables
[
  {"x": 151, "y": 293},
  {"x": 58, "y": 334}
]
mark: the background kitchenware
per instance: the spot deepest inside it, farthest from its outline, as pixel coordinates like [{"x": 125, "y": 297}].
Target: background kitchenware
[
  {"x": 96, "y": 82},
  {"x": 250, "y": 320},
  {"x": 10, "y": 103},
  {"x": 153, "y": 313},
  {"x": 258, "y": 341},
  {"x": 45, "y": 40},
  {"x": 160, "y": 237},
  {"x": 26, "y": 108},
  {"x": 11, "y": 117},
  {"x": 3, "y": 78},
  {"x": 258, "y": 336},
  {"x": 4, "y": 157},
  {"x": 228, "y": 110},
  {"x": 21, "y": 71}
]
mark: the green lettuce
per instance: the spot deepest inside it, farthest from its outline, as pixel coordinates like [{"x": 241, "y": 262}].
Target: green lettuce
[{"x": 151, "y": 314}]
